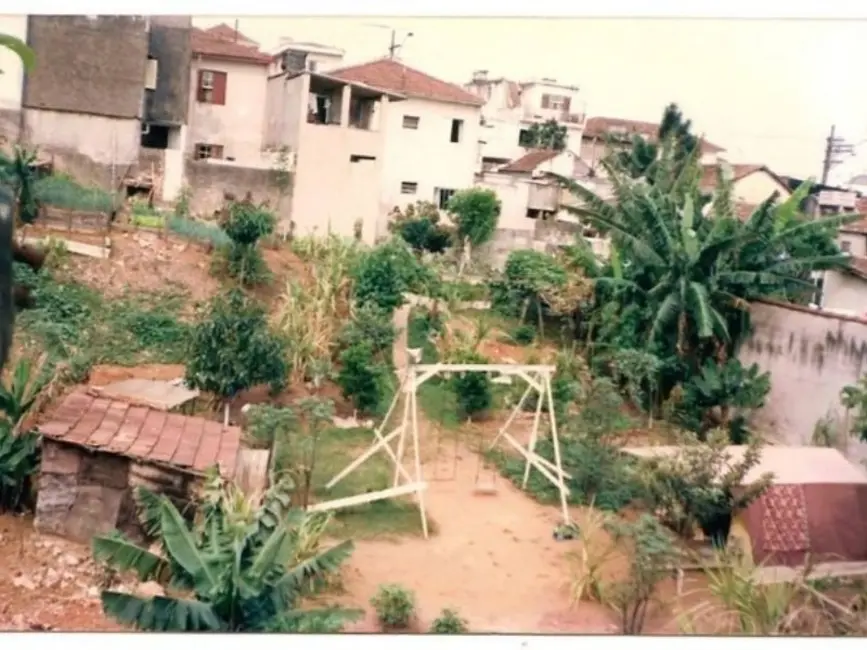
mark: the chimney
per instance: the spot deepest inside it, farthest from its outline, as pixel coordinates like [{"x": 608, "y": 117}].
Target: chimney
[{"x": 480, "y": 75}]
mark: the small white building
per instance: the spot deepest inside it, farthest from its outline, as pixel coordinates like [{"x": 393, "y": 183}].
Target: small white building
[
  {"x": 335, "y": 133},
  {"x": 314, "y": 57},
  {"x": 511, "y": 108},
  {"x": 229, "y": 77},
  {"x": 11, "y": 79},
  {"x": 432, "y": 138}
]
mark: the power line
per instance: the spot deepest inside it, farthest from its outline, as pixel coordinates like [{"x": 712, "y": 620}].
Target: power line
[{"x": 834, "y": 146}]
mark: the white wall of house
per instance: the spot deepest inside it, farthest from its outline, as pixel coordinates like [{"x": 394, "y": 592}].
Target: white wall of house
[
  {"x": 105, "y": 140},
  {"x": 844, "y": 292},
  {"x": 757, "y": 187},
  {"x": 331, "y": 191},
  {"x": 514, "y": 193},
  {"x": 426, "y": 156},
  {"x": 853, "y": 243},
  {"x": 238, "y": 125},
  {"x": 11, "y": 81}
]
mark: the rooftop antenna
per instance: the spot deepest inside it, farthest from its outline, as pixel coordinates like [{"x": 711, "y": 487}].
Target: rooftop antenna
[
  {"x": 393, "y": 46},
  {"x": 237, "y": 23}
]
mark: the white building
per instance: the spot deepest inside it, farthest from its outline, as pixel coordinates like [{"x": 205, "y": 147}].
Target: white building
[
  {"x": 335, "y": 131},
  {"x": 314, "y": 57},
  {"x": 511, "y": 108},
  {"x": 432, "y": 138},
  {"x": 11, "y": 79},
  {"x": 229, "y": 77}
]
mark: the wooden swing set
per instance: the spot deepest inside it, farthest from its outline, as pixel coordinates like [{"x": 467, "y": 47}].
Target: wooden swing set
[{"x": 538, "y": 379}]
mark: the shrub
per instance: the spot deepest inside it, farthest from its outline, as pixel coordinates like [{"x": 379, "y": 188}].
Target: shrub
[
  {"x": 524, "y": 334},
  {"x": 245, "y": 224},
  {"x": 394, "y": 605},
  {"x": 473, "y": 389},
  {"x": 385, "y": 273},
  {"x": 418, "y": 225},
  {"x": 527, "y": 275},
  {"x": 362, "y": 379},
  {"x": 232, "y": 349},
  {"x": 449, "y": 622},
  {"x": 370, "y": 324},
  {"x": 200, "y": 231},
  {"x": 476, "y": 212}
]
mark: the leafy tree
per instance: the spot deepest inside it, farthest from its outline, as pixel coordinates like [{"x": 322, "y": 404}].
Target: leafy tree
[
  {"x": 232, "y": 349},
  {"x": 419, "y": 226},
  {"x": 476, "y": 212},
  {"x": 362, "y": 377},
  {"x": 854, "y": 397},
  {"x": 245, "y": 569},
  {"x": 473, "y": 390},
  {"x": 384, "y": 274},
  {"x": 370, "y": 324},
  {"x": 547, "y": 135},
  {"x": 245, "y": 224}
]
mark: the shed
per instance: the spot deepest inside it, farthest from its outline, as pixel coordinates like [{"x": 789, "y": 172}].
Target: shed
[
  {"x": 816, "y": 506},
  {"x": 95, "y": 449}
]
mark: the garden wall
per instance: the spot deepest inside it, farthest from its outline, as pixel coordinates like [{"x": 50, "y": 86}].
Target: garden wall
[
  {"x": 811, "y": 356},
  {"x": 57, "y": 218},
  {"x": 208, "y": 182}
]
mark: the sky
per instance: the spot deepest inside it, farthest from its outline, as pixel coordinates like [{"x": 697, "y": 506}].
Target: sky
[{"x": 766, "y": 90}]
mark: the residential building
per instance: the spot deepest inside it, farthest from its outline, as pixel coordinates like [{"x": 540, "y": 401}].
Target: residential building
[
  {"x": 167, "y": 82},
  {"x": 845, "y": 291},
  {"x": 826, "y": 199},
  {"x": 511, "y": 108},
  {"x": 314, "y": 57},
  {"x": 601, "y": 133},
  {"x": 227, "y": 100},
  {"x": 83, "y": 101},
  {"x": 335, "y": 130},
  {"x": 11, "y": 80},
  {"x": 752, "y": 185},
  {"x": 432, "y": 138}
]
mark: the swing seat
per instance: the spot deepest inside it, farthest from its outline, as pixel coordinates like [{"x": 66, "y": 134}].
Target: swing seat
[{"x": 485, "y": 489}]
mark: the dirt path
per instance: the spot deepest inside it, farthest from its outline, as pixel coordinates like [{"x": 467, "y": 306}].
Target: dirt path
[{"x": 493, "y": 557}]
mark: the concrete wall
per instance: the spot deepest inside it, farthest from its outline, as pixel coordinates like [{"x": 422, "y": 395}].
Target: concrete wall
[
  {"x": 426, "y": 155},
  {"x": 857, "y": 243},
  {"x": 239, "y": 124},
  {"x": 169, "y": 44},
  {"x": 285, "y": 111},
  {"x": 92, "y": 65},
  {"x": 844, "y": 291},
  {"x": 208, "y": 182},
  {"x": 758, "y": 187},
  {"x": 811, "y": 356},
  {"x": 94, "y": 149},
  {"x": 11, "y": 79}
]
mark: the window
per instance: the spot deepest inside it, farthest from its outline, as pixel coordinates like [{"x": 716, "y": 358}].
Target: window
[
  {"x": 556, "y": 102},
  {"x": 211, "y": 87},
  {"x": 457, "y": 130},
  {"x": 410, "y": 122},
  {"x": 442, "y": 197},
  {"x": 524, "y": 138},
  {"x": 311, "y": 65},
  {"x": 846, "y": 246},
  {"x": 408, "y": 188},
  {"x": 206, "y": 151},
  {"x": 356, "y": 157},
  {"x": 151, "y": 74}
]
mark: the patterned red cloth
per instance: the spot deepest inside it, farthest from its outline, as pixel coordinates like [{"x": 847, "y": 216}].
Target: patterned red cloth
[{"x": 785, "y": 524}]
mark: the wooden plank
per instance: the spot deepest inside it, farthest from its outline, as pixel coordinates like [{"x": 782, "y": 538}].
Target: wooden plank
[
  {"x": 88, "y": 250},
  {"x": 359, "y": 499}
]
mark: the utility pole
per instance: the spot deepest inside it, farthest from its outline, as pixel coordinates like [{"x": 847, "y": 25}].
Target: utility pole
[
  {"x": 393, "y": 45},
  {"x": 833, "y": 147}
]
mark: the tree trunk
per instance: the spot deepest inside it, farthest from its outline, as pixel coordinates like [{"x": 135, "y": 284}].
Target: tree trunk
[{"x": 226, "y": 404}]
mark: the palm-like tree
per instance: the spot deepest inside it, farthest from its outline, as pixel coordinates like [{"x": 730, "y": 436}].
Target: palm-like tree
[
  {"x": 687, "y": 258},
  {"x": 238, "y": 568}
]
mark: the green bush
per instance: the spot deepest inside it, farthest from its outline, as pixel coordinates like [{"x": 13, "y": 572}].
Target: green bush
[
  {"x": 362, "y": 378},
  {"x": 394, "y": 606},
  {"x": 370, "y": 324},
  {"x": 474, "y": 390},
  {"x": 524, "y": 334},
  {"x": 449, "y": 622},
  {"x": 418, "y": 225},
  {"x": 245, "y": 225},
  {"x": 62, "y": 191},
  {"x": 199, "y": 231},
  {"x": 526, "y": 275},
  {"x": 384, "y": 274}
]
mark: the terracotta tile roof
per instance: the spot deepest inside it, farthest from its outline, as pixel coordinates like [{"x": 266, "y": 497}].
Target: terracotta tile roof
[
  {"x": 389, "y": 74},
  {"x": 226, "y": 33},
  {"x": 529, "y": 161},
  {"x": 117, "y": 427},
  {"x": 206, "y": 45},
  {"x": 597, "y": 127},
  {"x": 855, "y": 228}
]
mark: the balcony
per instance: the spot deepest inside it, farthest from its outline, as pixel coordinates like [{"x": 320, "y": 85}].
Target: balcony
[{"x": 545, "y": 114}]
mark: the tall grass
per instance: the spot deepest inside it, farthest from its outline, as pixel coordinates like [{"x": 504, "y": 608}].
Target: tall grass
[
  {"x": 196, "y": 230},
  {"x": 63, "y": 192}
]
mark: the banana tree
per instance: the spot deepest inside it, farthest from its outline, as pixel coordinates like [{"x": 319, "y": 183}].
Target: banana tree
[{"x": 239, "y": 567}]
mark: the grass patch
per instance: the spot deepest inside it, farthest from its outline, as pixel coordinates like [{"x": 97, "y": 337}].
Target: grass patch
[
  {"x": 467, "y": 291},
  {"x": 199, "y": 231},
  {"x": 63, "y": 192},
  {"x": 76, "y": 324},
  {"x": 336, "y": 448}
]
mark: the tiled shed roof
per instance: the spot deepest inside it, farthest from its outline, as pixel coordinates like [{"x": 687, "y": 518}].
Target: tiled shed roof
[
  {"x": 530, "y": 160},
  {"x": 117, "y": 427}
]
